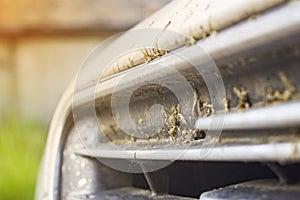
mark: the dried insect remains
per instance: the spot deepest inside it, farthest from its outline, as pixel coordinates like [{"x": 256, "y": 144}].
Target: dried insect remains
[
  {"x": 276, "y": 96},
  {"x": 243, "y": 98}
]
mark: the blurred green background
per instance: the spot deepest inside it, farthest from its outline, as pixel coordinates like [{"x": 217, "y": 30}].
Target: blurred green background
[
  {"x": 21, "y": 147},
  {"x": 42, "y": 45}
]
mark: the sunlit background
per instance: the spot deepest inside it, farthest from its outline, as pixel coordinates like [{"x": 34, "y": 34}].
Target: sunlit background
[{"x": 42, "y": 44}]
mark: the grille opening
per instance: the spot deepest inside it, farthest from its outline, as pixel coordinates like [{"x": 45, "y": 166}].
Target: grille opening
[{"x": 190, "y": 179}]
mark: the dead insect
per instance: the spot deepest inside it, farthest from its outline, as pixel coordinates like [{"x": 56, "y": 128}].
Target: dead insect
[
  {"x": 206, "y": 109},
  {"x": 275, "y": 96},
  {"x": 146, "y": 55},
  {"x": 174, "y": 119},
  {"x": 201, "y": 108},
  {"x": 172, "y": 122},
  {"x": 226, "y": 105},
  {"x": 158, "y": 52},
  {"x": 243, "y": 98},
  {"x": 172, "y": 132},
  {"x": 198, "y": 134},
  {"x": 191, "y": 41}
]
